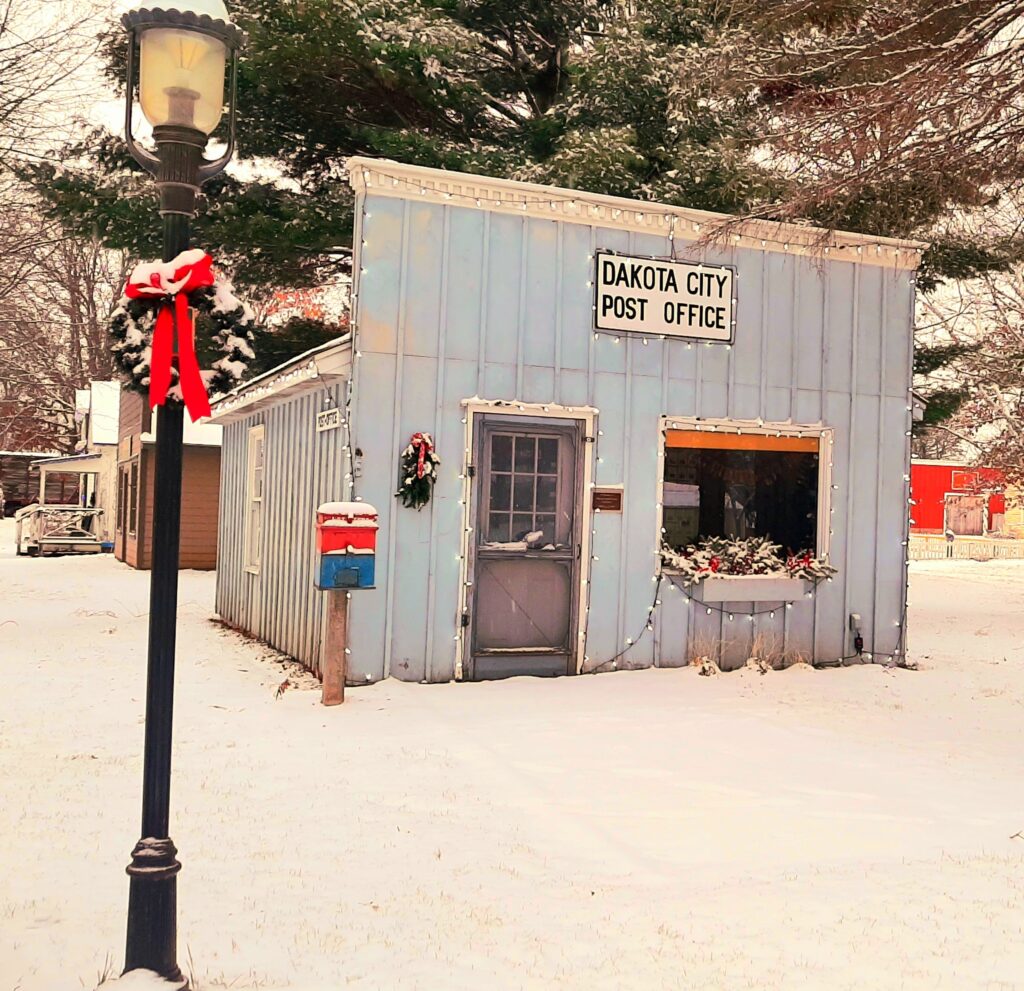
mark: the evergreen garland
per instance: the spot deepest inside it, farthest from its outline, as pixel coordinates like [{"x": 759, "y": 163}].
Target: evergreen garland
[{"x": 750, "y": 556}]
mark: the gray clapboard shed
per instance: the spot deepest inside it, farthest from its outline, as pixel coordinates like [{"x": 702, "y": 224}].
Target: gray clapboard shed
[{"x": 568, "y": 450}]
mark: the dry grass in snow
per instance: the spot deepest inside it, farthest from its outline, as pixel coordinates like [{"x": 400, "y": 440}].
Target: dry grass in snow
[{"x": 799, "y": 829}]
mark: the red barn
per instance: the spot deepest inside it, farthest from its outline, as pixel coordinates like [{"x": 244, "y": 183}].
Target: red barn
[{"x": 967, "y": 499}]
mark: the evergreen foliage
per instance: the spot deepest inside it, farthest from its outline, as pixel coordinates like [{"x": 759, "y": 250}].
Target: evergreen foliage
[
  {"x": 573, "y": 92},
  {"x": 669, "y": 100}
]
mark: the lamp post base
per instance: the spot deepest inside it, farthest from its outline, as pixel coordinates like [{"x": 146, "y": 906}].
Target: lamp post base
[{"x": 152, "y": 910}]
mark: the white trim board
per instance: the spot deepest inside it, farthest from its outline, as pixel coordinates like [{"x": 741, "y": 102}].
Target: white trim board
[{"x": 693, "y": 228}]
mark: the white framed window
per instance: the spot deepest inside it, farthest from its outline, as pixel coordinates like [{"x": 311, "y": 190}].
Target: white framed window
[
  {"x": 254, "y": 500},
  {"x": 735, "y": 479}
]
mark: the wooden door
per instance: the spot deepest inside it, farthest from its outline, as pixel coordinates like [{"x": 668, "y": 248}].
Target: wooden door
[
  {"x": 965, "y": 514},
  {"x": 525, "y": 554}
]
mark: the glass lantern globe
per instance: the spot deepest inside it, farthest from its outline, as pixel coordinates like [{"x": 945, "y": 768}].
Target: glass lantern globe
[{"x": 182, "y": 71}]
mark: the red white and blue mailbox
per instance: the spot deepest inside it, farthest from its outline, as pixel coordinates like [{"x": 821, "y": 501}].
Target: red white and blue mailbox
[{"x": 346, "y": 538}]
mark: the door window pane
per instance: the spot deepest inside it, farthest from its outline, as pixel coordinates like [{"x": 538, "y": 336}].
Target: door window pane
[
  {"x": 497, "y": 527},
  {"x": 522, "y": 500},
  {"x": 501, "y": 453},
  {"x": 501, "y": 492},
  {"x": 547, "y": 456},
  {"x": 546, "y": 523},
  {"x": 522, "y": 524},
  {"x": 547, "y": 489},
  {"x": 522, "y": 495},
  {"x": 526, "y": 453}
]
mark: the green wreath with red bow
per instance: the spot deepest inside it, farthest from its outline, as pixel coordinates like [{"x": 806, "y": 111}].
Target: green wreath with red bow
[
  {"x": 156, "y": 341},
  {"x": 419, "y": 471}
]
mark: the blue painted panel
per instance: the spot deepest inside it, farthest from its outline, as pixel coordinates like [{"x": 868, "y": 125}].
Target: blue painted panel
[
  {"x": 539, "y": 342},
  {"x": 538, "y": 384},
  {"x": 417, "y": 411},
  {"x": 503, "y": 289},
  {"x": 899, "y": 309},
  {"x": 750, "y": 318},
  {"x": 381, "y": 261},
  {"x": 440, "y": 645},
  {"x": 869, "y": 323},
  {"x": 499, "y": 382},
  {"x": 673, "y": 620},
  {"x": 571, "y": 388},
  {"x": 745, "y": 402},
  {"x": 422, "y": 311},
  {"x": 577, "y": 297},
  {"x": 780, "y": 271},
  {"x": 681, "y": 399},
  {"x": 809, "y": 324},
  {"x": 609, "y": 398},
  {"x": 374, "y": 429},
  {"x": 465, "y": 284},
  {"x": 838, "y": 345}
]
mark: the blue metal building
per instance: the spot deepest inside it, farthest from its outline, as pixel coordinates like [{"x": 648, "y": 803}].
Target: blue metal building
[{"x": 576, "y": 428}]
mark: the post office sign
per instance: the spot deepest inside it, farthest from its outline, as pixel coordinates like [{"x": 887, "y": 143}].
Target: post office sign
[{"x": 655, "y": 297}]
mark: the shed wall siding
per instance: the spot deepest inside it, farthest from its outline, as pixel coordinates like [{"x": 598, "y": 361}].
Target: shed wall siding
[
  {"x": 455, "y": 302},
  {"x": 302, "y": 468}
]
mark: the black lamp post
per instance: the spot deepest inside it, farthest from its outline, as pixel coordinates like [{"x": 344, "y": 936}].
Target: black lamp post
[{"x": 182, "y": 59}]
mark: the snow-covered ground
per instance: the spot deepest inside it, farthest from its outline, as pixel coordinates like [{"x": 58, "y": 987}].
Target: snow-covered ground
[{"x": 798, "y": 830}]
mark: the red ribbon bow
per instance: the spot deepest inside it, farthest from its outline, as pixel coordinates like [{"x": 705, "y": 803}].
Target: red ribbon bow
[
  {"x": 423, "y": 443},
  {"x": 172, "y": 281}
]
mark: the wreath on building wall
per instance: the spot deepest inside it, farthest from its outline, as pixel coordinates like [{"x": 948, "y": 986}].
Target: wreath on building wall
[
  {"x": 157, "y": 309},
  {"x": 419, "y": 471},
  {"x": 749, "y": 556}
]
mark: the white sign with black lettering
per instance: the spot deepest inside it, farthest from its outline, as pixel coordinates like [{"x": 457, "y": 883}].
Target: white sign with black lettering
[
  {"x": 329, "y": 419},
  {"x": 653, "y": 297}
]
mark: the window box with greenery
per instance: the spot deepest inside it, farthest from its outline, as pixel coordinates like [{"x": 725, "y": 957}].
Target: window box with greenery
[{"x": 742, "y": 510}]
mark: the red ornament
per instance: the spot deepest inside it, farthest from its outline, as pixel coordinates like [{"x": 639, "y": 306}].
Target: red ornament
[
  {"x": 715, "y": 564},
  {"x": 172, "y": 281}
]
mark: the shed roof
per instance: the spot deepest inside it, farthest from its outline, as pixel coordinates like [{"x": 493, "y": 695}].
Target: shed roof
[
  {"x": 67, "y": 463},
  {"x": 383, "y": 177},
  {"x": 326, "y": 362}
]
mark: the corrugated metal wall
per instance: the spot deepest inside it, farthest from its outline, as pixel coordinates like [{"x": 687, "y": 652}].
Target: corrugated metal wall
[
  {"x": 302, "y": 468},
  {"x": 455, "y": 302}
]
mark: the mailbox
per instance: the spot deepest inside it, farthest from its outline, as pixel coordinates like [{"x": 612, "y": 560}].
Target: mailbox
[
  {"x": 346, "y": 537},
  {"x": 346, "y": 570},
  {"x": 344, "y": 525}
]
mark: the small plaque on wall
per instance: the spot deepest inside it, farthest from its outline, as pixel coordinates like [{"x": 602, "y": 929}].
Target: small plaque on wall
[{"x": 607, "y": 500}]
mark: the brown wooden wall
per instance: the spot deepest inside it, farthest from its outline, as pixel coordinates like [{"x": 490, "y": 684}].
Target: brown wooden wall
[{"x": 200, "y": 492}]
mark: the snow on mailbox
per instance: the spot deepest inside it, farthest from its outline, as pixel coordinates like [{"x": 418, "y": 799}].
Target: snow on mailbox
[{"x": 346, "y": 538}]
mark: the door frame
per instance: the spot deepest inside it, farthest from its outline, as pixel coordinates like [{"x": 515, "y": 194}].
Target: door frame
[{"x": 473, "y": 409}]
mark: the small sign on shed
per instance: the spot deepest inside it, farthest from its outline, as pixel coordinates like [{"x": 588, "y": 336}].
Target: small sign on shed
[
  {"x": 607, "y": 499},
  {"x": 329, "y": 419}
]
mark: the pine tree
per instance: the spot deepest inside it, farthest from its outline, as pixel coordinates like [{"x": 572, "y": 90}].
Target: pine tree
[{"x": 584, "y": 93}]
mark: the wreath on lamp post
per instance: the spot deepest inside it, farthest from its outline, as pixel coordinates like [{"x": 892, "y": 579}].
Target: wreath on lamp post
[
  {"x": 157, "y": 344},
  {"x": 419, "y": 471}
]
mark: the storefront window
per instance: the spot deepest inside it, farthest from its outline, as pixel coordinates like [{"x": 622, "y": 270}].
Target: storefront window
[{"x": 741, "y": 485}]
